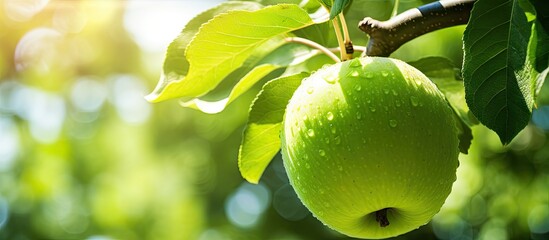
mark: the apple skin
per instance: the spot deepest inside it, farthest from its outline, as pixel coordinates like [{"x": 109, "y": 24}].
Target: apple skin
[{"x": 370, "y": 134}]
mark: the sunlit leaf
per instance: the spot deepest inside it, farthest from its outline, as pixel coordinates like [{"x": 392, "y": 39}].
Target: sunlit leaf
[
  {"x": 286, "y": 55},
  {"x": 497, "y": 74},
  {"x": 176, "y": 65},
  {"x": 240, "y": 88},
  {"x": 225, "y": 42},
  {"x": 261, "y": 140}
]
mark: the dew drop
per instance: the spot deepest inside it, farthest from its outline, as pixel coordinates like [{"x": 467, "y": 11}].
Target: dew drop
[
  {"x": 333, "y": 130},
  {"x": 358, "y": 87},
  {"x": 322, "y": 152},
  {"x": 368, "y": 75},
  {"x": 339, "y": 167},
  {"x": 418, "y": 82},
  {"x": 372, "y": 109},
  {"x": 307, "y": 165},
  {"x": 384, "y": 73},
  {"x": 311, "y": 132},
  {"x": 414, "y": 101},
  {"x": 310, "y": 90},
  {"x": 386, "y": 91},
  {"x": 397, "y": 103},
  {"x": 354, "y": 74},
  {"x": 330, "y": 79},
  {"x": 327, "y": 140},
  {"x": 330, "y": 116},
  {"x": 358, "y": 115},
  {"x": 337, "y": 140},
  {"x": 393, "y": 123},
  {"x": 395, "y": 92},
  {"x": 304, "y": 117}
]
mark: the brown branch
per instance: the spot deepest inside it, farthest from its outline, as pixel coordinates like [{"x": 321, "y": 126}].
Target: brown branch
[{"x": 388, "y": 36}]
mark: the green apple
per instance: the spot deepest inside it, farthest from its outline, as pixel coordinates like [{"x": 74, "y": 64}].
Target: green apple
[{"x": 370, "y": 146}]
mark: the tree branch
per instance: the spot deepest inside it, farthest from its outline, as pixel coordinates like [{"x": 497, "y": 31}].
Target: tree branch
[{"x": 388, "y": 36}]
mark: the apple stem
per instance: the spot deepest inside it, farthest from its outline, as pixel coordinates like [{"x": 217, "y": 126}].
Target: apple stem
[{"x": 381, "y": 217}]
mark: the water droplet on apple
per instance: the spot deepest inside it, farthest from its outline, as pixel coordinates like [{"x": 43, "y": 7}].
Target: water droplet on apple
[
  {"x": 330, "y": 79},
  {"x": 368, "y": 75},
  {"x": 358, "y": 87},
  {"x": 322, "y": 152},
  {"x": 386, "y": 91},
  {"x": 384, "y": 73},
  {"x": 395, "y": 92},
  {"x": 333, "y": 130},
  {"x": 372, "y": 109},
  {"x": 397, "y": 103},
  {"x": 414, "y": 101},
  {"x": 358, "y": 115},
  {"x": 337, "y": 140},
  {"x": 330, "y": 116},
  {"x": 307, "y": 165},
  {"x": 327, "y": 140},
  {"x": 419, "y": 83},
  {"x": 354, "y": 74},
  {"x": 305, "y": 117},
  {"x": 311, "y": 132},
  {"x": 393, "y": 123},
  {"x": 310, "y": 90}
]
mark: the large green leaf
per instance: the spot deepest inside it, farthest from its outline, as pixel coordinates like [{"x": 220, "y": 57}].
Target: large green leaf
[
  {"x": 261, "y": 140},
  {"x": 287, "y": 55},
  {"x": 176, "y": 65},
  {"x": 224, "y": 43},
  {"x": 446, "y": 76},
  {"x": 499, "y": 77}
]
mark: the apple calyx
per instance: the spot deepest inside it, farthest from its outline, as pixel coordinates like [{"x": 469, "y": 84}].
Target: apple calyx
[{"x": 381, "y": 217}]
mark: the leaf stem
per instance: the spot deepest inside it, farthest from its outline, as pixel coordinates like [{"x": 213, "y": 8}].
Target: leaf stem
[{"x": 314, "y": 45}]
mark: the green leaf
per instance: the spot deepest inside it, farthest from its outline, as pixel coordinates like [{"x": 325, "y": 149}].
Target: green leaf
[
  {"x": 445, "y": 75},
  {"x": 261, "y": 140},
  {"x": 287, "y": 55},
  {"x": 240, "y": 88},
  {"x": 176, "y": 65},
  {"x": 498, "y": 76},
  {"x": 224, "y": 43},
  {"x": 338, "y": 7}
]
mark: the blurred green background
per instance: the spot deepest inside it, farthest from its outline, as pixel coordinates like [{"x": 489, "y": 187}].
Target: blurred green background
[{"x": 84, "y": 156}]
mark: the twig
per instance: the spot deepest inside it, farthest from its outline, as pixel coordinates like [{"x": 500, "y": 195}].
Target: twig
[{"x": 388, "y": 36}]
